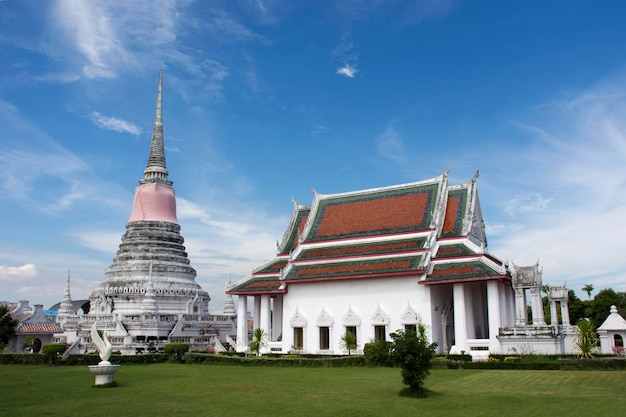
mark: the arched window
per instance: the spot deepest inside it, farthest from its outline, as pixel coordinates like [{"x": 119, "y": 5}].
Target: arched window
[{"x": 618, "y": 341}]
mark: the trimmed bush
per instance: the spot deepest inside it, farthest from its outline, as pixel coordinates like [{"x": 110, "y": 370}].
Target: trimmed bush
[
  {"x": 378, "y": 353},
  {"x": 462, "y": 358},
  {"x": 176, "y": 351},
  {"x": 52, "y": 351}
]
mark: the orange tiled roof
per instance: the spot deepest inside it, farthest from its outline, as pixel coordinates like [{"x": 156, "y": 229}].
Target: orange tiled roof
[
  {"x": 38, "y": 328},
  {"x": 464, "y": 271},
  {"x": 362, "y": 249},
  {"x": 298, "y": 221},
  {"x": 455, "y": 212},
  {"x": 399, "y": 210},
  {"x": 257, "y": 285},
  {"x": 356, "y": 269}
]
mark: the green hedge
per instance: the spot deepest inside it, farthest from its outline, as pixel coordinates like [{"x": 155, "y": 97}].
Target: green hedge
[
  {"x": 594, "y": 364},
  {"x": 285, "y": 360},
  {"x": 23, "y": 359}
]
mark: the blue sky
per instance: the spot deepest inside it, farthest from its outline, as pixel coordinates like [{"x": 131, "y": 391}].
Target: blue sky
[{"x": 266, "y": 99}]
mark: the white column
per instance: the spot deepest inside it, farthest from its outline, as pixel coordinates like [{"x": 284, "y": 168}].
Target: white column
[
  {"x": 493, "y": 311},
  {"x": 257, "y": 312},
  {"x": 554, "y": 317},
  {"x": 264, "y": 322},
  {"x": 521, "y": 314},
  {"x": 565, "y": 313},
  {"x": 242, "y": 323},
  {"x": 277, "y": 318},
  {"x": 460, "y": 329},
  {"x": 537, "y": 307}
]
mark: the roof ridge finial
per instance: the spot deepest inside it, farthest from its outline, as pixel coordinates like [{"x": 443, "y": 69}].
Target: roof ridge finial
[{"x": 156, "y": 168}]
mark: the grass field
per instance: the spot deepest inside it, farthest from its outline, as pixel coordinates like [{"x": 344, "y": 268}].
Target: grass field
[{"x": 200, "y": 390}]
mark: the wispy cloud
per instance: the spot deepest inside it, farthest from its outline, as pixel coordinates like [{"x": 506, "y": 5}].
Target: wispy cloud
[
  {"x": 574, "y": 191},
  {"x": 390, "y": 145},
  {"x": 526, "y": 202},
  {"x": 114, "y": 123}
]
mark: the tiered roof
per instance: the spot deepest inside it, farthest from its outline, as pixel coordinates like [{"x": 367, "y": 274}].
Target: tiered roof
[
  {"x": 424, "y": 229},
  {"x": 38, "y": 323}
]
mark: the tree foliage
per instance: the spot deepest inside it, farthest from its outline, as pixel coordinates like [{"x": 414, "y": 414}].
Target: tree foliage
[
  {"x": 53, "y": 350},
  {"x": 258, "y": 342},
  {"x": 176, "y": 350},
  {"x": 348, "y": 341},
  {"x": 588, "y": 288},
  {"x": 413, "y": 352},
  {"x": 378, "y": 353},
  {"x": 7, "y": 326},
  {"x": 600, "y": 306}
]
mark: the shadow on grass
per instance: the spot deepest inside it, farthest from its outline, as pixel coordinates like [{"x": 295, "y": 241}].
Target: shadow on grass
[{"x": 420, "y": 393}]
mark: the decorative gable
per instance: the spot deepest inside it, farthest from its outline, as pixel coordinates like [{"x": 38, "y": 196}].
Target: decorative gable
[
  {"x": 410, "y": 315},
  {"x": 324, "y": 319},
  {"x": 380, "y": 317},
  {"x": 298, "y": 319},
  {"x": 351, "y": 318}
]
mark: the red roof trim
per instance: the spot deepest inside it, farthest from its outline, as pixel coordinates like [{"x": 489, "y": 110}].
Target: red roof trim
[
  {"x": 400, "y": 235},
  {"x": 388, "y": 256},
  {"x": 472, "y": 279},
  {"x": 261, "y": 292},
  {"x": 357, "y": 276}
]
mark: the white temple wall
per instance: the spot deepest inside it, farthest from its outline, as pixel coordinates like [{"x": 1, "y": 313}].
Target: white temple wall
[{"x": 362, "y": 303}]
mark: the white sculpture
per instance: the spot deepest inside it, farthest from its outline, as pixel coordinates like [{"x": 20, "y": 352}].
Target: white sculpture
[
  {"x": 104, "y": 370},
  {"x": 103, "y": 345}
]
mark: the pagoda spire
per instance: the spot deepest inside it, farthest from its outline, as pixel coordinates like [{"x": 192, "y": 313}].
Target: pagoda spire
[
  {"x": 156, "y": 169},
  {"x": 66, "y": 307}
]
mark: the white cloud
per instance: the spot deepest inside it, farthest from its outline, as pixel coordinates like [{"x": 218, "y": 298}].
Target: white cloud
[
  {"x": 114, "y": 123},
  {"x": 347, "y": 71},
  {"x": 19, "y": 272}
]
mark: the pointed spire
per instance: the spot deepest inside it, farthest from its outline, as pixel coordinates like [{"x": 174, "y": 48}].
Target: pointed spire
[
  {"x": 66, "y": 307},
  {"x": 156, "y": 169}
]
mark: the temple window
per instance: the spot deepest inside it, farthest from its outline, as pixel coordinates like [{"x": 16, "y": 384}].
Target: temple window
[
  {"x": 324, "y": 338},
  {"x": 298, "y": 338},
  {"x": 618, "y": 340},
  {"x": 410, "y": 328},
  {"x": 380, "y": 333}
]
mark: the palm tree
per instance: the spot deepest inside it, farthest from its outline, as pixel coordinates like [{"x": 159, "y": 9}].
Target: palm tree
[
  {"x": 348, "y": 341},
  {"x": 259, "y": 340},
  {"x": 588, "y": 288}
]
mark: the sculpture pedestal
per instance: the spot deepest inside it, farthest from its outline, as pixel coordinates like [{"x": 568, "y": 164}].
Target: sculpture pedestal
[{"x": 104, "y": 372}]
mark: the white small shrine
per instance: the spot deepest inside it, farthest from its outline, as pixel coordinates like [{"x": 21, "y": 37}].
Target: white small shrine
[{"x": 612, "y": 334}]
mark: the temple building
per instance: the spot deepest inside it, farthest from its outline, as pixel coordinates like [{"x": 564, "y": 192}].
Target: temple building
[
  {"x": 374, "y": 261},
  {"x": 150, "y": 295}
]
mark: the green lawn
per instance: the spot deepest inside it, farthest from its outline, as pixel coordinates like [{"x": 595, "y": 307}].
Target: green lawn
[{"x": 233, "y": 391}]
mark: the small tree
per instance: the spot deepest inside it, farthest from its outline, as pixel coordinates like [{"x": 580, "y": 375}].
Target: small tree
[
  {"x": 258, "y": 342},
  {"x": 348, "y": 341},
  {"x": 378, "y": 353},
  {"x": 588, "y": 288},
  {"x": 176, "y": 351},
  {"x": 7, "y": 326},
  {"x": 586, "y": 338},
  {"x": 52, "y": 351},
  {"x": 413, "y": 353}
]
